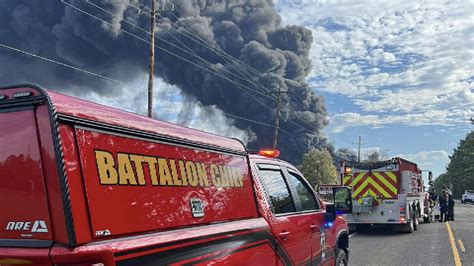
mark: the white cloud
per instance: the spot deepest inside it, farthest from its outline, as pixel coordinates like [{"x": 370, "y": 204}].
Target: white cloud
[
  {"x": 408, "y": 57},
  {"x": 435, "y": 161},
  {"x": 426, "y": 157},
  {"x": 343, "y": 121}
]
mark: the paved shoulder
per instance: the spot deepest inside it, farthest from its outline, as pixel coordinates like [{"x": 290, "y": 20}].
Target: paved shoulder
[{"x": 381, "y": 246}]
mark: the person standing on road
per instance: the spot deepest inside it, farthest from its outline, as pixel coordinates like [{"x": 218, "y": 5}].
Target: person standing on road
[
  {"x": 450, "y": 211},
  {"x": 443, "y": 204},
  {"x": 433, "y": 197}
]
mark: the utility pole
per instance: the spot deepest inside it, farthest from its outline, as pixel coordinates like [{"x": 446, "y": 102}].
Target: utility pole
[
  {"x": 359, "y": 145},
  {"x": 358, "y": 149},
  {"x": 277, "y": 116},
  {"x": 152, "y": 59},
  {"x": 153, "y": 12}
]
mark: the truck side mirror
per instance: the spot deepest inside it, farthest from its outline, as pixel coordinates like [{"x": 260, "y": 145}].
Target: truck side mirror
[{"x": 342, "y": 200}]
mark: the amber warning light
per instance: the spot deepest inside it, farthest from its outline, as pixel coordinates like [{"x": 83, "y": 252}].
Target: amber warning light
[
  {"x": 347, "y": 170},
  {"x": 269, "y": 153}
]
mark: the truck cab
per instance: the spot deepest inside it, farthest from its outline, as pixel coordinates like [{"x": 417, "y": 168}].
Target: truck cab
[{"x": 297, "y": 216}]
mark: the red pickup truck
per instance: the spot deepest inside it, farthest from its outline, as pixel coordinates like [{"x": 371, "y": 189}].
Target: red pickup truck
[{"x": 86, "y": 184}]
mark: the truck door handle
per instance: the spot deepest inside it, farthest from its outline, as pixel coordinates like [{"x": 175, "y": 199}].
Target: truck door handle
[
  {"x": 284, "y": 235},
  {"x": 314, "y": 227}
]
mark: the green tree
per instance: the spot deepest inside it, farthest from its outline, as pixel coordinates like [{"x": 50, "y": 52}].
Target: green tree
[
  {"x": 460, "y": 170},
  {"x": 318, "y": 168},
  {"x": 440, "y": 181}
]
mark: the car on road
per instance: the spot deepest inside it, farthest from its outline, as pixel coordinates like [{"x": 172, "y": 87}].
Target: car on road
[
  {"x": 468, "y": 196},
  {"x": 86, "y": 184}
]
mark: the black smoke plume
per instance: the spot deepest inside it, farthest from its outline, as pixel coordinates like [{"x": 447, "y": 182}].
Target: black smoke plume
[{"x": 247, "y": 30}]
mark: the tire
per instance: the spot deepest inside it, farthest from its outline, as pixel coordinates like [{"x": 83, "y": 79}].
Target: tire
[
  {"x": 416, "y": 221},
  {"x": 410, "y": 227},
  {"x": 341, "y": 258},
  {"x": 462, "y": 201},
  {"x": 427, "y": 219}
]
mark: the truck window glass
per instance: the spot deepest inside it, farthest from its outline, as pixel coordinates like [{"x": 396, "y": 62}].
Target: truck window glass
[
  {"x": 277, "y": 191},
  {"x": 304, "y": 193}
]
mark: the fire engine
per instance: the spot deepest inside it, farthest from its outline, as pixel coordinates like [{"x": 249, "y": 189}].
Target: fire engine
[
  {"x": 85, "y": 184},
  {"x": 386, "y": 193}
]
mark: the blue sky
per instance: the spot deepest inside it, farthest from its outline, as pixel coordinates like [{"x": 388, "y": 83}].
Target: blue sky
[{"x": 398, "y": 73}]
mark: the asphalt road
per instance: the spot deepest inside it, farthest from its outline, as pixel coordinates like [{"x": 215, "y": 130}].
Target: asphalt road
[{"x": 430, "y": 245}]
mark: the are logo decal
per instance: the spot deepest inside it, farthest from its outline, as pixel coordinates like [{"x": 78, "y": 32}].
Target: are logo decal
[
  {"x": 105, "y": 232},
  {"x": 38, "y": 226}
]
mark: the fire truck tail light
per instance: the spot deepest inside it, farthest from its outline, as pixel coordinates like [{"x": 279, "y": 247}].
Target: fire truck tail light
[
  {"x": 272, "y": 153},
  {"x": 402, "y": 214},
  {"x": 22, "y": 94}
]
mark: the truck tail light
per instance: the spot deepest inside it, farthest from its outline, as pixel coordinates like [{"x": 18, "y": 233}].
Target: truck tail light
[{"x": 402, "y": 214}]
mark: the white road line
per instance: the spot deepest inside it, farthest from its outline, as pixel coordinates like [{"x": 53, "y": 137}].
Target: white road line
[{"x": 353, "y": 234}]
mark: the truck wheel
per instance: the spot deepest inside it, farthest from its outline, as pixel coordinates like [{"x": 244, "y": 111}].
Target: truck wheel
[
  {"x": 427, "y": 219},
  {"x": 410, "y": 226},
  {"x": 341, "y": 258},
  {"x": 416, "y": 221}
]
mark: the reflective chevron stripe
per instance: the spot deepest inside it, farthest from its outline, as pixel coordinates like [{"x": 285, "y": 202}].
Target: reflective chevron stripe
[{"x": 379, "y": 185}]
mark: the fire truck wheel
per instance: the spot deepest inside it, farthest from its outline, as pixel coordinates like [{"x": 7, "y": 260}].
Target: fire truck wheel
[
  {"x": 416, "y": 221},
  {"x": 410, "y": 226},
  {"x": 427, "y": 219},
  {"x": 341, "y": 258}
]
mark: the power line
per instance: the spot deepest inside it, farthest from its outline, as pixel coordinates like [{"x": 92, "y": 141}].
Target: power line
[
  {"x": 226, "y": 57},
  {"x": 191, "y": 53},
  {"x": 173, "y": 24},
  {"x": 118, "y": 81},
  {"x": 114, "y": 80},
  {"x": 238, "y": 85},
  {"x": 59, "y": 63}
]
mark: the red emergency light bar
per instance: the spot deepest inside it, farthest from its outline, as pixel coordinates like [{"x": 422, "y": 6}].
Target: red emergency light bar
[{"x": 272, "y": 153}]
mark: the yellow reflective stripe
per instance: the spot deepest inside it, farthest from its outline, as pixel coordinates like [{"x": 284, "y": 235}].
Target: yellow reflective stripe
[
  {"x": 392, "y": 176},
  {"x": 361, "y": 187},
  {"x": 347, "y": 178},
  {"x": 357, "y": 179},
  {"x": 380, "y": 189},
  {"x": 369, "y": 180},
  {"x": 385, "y": 182}
]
